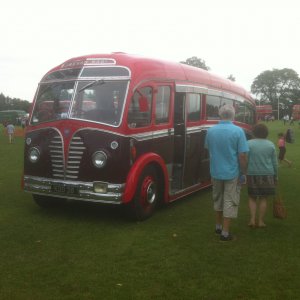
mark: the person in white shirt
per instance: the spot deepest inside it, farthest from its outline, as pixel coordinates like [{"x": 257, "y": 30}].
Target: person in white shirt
[{"x": 10, "y": 128}]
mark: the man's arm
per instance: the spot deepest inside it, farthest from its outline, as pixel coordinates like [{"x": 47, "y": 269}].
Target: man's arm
[{"x": 243, "y": 160}]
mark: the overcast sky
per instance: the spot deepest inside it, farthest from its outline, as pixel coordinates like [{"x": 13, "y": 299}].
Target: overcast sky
[{"x": 238, "y": 37}]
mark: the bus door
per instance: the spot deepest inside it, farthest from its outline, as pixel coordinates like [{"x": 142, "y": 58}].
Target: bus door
[
  {"x": 196, "y": 166},
  {"x": 179, "y": 142}
]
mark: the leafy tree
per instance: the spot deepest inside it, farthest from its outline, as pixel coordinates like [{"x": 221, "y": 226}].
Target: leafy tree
[
  {"x": 231, "y": 77},
  {"x": 280, "y": 88},
  {"x": 196, "y": 62},
  {"x": 7, "y": 103}
]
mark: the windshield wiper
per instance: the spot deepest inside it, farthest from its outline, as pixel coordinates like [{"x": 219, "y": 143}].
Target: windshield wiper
[{"x": 96, "y": 82}]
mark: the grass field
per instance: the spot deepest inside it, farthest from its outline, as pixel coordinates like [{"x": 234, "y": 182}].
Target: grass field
[{"x": 93, "y": 252}]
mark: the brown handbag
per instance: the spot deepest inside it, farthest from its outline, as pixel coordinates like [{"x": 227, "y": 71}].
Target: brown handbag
[{"x": 279, "y": 210}]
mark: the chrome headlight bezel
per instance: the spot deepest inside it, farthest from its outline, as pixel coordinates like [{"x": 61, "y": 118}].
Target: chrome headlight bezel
[
  {"x": 99, "y": 159},
  {"x": 34, "y": 155}
]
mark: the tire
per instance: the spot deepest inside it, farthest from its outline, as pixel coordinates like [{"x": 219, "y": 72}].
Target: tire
[
  {"x": 146, "y": 196},
  {"x": 47, "y": 201}
]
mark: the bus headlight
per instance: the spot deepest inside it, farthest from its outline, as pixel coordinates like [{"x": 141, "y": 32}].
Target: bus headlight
[
  {"x": 99, "y": 159},
  {"x": 34, "y": 155}
]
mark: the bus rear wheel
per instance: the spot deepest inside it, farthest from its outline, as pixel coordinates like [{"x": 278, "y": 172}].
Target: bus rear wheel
[
  {"x": 47, "y": 201},
  {"x": 146, "y": 196}
]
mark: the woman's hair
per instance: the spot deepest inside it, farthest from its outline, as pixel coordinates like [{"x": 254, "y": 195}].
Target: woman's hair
[
  {"x": 280, "y": 134},
  {"x": 227, "y": 112},
  {"x": 260, "y": 131}
]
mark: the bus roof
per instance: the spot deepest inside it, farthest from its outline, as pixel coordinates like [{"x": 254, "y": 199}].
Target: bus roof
[{"x": 149, "y": 68}]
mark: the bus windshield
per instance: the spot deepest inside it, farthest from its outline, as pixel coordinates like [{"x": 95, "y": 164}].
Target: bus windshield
[
  {"x": 93, "y": 100},
  {"x": 53, "y": 102},
  {"x": 100, "y": 101}
]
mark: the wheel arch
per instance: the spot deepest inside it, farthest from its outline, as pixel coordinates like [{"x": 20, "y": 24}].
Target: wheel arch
[{"x": 148, "y": 159}]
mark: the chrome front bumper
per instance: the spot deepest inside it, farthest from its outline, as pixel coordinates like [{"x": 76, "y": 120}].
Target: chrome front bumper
[{"x": 74, "y": 190}]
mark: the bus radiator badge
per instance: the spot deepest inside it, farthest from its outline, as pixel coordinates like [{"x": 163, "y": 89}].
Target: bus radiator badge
[{"x": 66, "y": 132}]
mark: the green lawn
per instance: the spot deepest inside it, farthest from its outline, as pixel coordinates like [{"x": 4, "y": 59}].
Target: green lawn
[{"x": 93, "y": 252}]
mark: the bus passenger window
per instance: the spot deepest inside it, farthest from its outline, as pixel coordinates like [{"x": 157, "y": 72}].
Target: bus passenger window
[
  {"x": 212, "y": 107},
  {"x": 194, "y": 107},
  {"x": 139, "y": 113},
  {"x": 162, "y": 107}
]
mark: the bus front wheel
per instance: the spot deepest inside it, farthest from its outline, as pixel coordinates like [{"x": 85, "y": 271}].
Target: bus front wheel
[{"x": 146, "y": 195}]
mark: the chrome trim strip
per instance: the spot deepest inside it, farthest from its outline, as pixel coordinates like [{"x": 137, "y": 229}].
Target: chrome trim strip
[
  {"x": 108, "y": 78},
  {"x": 185, "y": 88},
  {"x": 191, "y": 89},
  {"x": 153, "y": 134},
  {"x": 196, "y": 129},
  {"x": 146, "y": 135},
  {"x": 42, "y": 186},
  {"x": 188, "y": 190}
]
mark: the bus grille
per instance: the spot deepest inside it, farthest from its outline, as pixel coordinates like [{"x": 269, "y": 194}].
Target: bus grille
[
  {"x": 76, "y": 150},
  {"x": 57, "y": 157}
]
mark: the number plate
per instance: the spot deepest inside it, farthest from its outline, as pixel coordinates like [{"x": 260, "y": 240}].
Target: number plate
[{"x": 60, "y": 188}]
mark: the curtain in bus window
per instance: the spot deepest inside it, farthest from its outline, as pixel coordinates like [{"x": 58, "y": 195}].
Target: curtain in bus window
[
  {"x": 212, "y": 107},
  {"x": 162, "y": 107},
  {"x": 139, "y": 113},
  {"x": 194, "y": 107}
]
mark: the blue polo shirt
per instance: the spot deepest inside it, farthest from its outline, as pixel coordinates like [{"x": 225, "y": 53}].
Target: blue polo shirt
[{"x": 225, "y": 141}]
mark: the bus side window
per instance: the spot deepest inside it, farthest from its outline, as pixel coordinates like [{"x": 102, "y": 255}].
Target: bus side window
[
  {"x": 162, "y": 106},
  {"x": 212, "y": 107},
  {"x": 225, "y": 101},
  {"x": 139, "y": 113},
  {"x": 244, "y": 113},
  {"x": 194, "y": 107}
]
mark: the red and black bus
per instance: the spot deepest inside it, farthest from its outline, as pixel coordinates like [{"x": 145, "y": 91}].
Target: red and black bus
[
  {"x": 296, "y": 112},
  {"x": 122, "y": 129},
  {"x": 264, "y": 112}
]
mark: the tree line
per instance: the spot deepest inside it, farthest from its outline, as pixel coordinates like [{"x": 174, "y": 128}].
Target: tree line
[
  {"x": 7, "y": 103},
  {"x": 278, "y": 87}
]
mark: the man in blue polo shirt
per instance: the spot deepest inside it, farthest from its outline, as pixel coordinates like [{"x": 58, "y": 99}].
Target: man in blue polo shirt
[{"x": 227, "y": 146}]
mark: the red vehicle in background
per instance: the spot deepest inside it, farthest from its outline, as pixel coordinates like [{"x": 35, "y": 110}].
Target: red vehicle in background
[
  {"x": 122, "y": 129},
  {"x": 296, "y": 112},
  {"x": 264, "y": 112}
]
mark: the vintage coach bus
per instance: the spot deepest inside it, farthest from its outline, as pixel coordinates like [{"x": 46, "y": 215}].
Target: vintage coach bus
[{"x": 122, "y": 129}]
